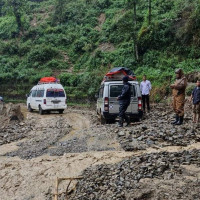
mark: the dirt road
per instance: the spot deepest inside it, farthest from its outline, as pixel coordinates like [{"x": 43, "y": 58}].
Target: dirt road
[{"x": 37, "y": 150}]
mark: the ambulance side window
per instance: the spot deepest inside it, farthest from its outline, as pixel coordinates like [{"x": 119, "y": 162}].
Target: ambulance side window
[
  {"x": 34, "y": 92},
  {"x": 30, "y": 94},
  {"x": 40, "y": 93}
]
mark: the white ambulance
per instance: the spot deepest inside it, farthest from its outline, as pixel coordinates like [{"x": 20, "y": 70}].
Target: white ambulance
[{"x": 46, "y": 97}]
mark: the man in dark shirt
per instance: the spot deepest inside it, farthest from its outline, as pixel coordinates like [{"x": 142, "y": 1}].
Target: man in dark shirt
[
  {"x": 124, "y": 101},
  {"x": 195, "y": 97}
]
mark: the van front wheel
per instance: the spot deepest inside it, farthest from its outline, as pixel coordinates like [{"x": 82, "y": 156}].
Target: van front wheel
[{"x": 40, "y": 110}]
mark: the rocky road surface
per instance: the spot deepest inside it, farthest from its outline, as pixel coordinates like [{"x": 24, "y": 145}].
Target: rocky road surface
[{"x": 148, "y": 160}]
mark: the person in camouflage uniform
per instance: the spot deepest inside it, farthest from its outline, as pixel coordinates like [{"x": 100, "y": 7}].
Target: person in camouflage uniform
[{"x": 178, "y": 92}]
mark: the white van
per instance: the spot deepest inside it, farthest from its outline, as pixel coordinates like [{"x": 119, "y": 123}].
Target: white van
[
  {"x": 47, "y": 97},
  {"x": 108, "y": 105}
]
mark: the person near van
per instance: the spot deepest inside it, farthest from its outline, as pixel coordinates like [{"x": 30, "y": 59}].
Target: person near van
[
  {"x": 178, "y": 92},
  {"x": 145, "y": 88},
  {"x": 124, "y": 101},
  {"x": 195, "y": 98}
]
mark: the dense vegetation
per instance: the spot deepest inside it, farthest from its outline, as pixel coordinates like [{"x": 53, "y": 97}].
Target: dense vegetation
[{"x": 80, "y": 40}]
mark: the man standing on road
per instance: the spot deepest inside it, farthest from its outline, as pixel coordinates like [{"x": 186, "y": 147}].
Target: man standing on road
[
  {"x": 145, "y": 88},
  {"x": 124, "y": 101},
  {"x": 178, "y": 92}
]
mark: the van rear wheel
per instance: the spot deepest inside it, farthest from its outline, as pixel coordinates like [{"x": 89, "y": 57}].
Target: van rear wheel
[
  {"x": 61, "y": 111},
  {"x": 102, "y": 119},
  {"x": 40, "y": 110}
]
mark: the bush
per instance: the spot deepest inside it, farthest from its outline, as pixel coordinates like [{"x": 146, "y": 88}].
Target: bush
[
  {"x": 57, "y": 64},
  {"x": 189, "y": 89},
  {"x": 8, "y": 27},
  {"x": 42, "y": 54},
  {"x": 70, "y": 80},
  {"x": 10, "y": 48}
]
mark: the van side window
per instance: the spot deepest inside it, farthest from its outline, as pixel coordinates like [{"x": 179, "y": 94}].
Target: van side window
[
  {"x": 101, "y": 92},
  {"x": 40, "y": 93},
  {"x": 34, "y": 92}
]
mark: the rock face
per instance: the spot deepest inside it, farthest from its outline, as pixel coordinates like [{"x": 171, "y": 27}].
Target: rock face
[
  {"x": 11, "y": 111},
  {"x": 151, "y": 176},
  {"x": 10, "y": 127}
]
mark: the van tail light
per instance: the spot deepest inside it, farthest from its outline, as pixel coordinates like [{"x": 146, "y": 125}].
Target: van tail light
[
  {"x": 106, "y": 103},
  {"x": 45, "y": 101},
  {"x": 139, "y": 103}
]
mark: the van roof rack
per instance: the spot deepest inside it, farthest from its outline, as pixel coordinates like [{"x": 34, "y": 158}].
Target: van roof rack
[
  {"x": 118, "y": 78},
  {"x": 41, "y": 83}
]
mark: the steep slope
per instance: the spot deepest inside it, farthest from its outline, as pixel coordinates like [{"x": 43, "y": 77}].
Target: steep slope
[{"x": 79, "y": 41}]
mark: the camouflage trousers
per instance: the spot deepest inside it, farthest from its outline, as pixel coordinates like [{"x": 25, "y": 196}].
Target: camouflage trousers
[{"x": 178, "y": 104}]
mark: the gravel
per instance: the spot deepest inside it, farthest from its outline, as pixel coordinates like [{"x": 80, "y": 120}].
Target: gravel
[{"x": 132, "y": 178}]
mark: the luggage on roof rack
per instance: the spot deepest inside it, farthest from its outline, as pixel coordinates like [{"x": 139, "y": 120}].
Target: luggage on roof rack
[
  {"x": 47, "y": 80},
  {"x": 117, "y": 73}
]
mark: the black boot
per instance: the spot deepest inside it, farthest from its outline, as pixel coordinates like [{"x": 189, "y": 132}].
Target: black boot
[
  {"x": 121, "y": 120},
  {"x": 127, "y": 119},
  {"x": 176, "y": 119},
  {"x": 180, "y": 121}
]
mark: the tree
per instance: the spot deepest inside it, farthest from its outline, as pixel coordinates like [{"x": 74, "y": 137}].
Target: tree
[
  {"x": 1, "y": 6},
  {"x": 59, "y": 15},
  {"x": 149, "y": 18},
  {"x": 16, "y": 8}
]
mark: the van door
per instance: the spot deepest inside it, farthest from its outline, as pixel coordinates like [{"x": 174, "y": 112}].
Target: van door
[
  {"x": 134, "y": 99},
  {"x": 49, "y": 98},
  {"x": 33, "y": 99},
  {"x": 114, "y": 91},
  {"x": 55, "y": 98},
  {"x": 100, "y": 99},
  {"x": 59, "y": 98},
  {"x": 39, "y": 98}
]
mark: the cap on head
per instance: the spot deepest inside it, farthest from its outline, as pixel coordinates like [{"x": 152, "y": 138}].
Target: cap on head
[
  {"x": 179, "y": 71},
  {"x": 125, "y": 79}
]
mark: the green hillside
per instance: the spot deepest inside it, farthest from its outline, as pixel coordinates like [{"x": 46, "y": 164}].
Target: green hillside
[{"x": 78, "y": 41}]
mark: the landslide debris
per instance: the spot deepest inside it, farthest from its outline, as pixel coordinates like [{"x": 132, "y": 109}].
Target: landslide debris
[
  {"x": 157, "y": 131},
  {"x": 151, "y": 176},
  {"x": 11, "y": 123}
]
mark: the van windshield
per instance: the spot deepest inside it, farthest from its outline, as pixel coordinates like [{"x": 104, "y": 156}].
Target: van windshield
[{"x": 55, "y": 93}]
